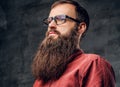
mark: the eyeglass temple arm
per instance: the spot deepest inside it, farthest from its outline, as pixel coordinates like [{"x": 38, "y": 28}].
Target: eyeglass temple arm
[{"x": 73, "y": 19}]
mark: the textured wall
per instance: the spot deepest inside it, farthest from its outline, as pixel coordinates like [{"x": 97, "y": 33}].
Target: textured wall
[{"x": 21, "y": 31}]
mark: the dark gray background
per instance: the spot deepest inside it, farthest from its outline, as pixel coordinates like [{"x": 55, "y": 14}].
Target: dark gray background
[{"x": 21, "y": 31}]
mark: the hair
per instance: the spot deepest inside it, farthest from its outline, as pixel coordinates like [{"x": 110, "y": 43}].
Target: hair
[{"x": 81, "y": 13}]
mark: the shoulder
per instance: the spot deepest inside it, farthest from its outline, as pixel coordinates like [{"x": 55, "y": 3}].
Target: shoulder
[
  {"x": 86, "y": 60},
  {"x": 92, "y": 61},
  {"x": 96, "y": 69},
  {"x": 93, "y": 58}
]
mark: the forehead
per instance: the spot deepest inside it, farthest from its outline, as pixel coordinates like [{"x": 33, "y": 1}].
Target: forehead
[{"x": 66, "y": 9}]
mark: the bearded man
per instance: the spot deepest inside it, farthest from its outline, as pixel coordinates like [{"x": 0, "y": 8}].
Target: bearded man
[{"x": 59, "y": 61}]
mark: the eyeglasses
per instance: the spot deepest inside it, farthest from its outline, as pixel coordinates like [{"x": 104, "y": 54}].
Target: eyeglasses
[{"x": 59, "y": 19}]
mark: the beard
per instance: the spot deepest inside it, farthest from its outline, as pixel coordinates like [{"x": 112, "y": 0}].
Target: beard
[{"x": 53, "y": 56}]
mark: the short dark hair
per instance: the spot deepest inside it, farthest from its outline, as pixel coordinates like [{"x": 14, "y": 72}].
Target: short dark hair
[{"x": 81, "y": 13}]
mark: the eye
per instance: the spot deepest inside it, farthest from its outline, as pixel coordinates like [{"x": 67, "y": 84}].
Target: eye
[
  {"x": 49, "y": 20},
  {"x": 60, "y": 17}
]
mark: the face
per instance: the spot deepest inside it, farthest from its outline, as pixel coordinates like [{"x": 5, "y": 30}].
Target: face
[{"x": 65, "y": 28}]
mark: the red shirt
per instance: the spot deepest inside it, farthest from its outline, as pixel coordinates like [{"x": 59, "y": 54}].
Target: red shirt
[{"x": 86, "y": 70}]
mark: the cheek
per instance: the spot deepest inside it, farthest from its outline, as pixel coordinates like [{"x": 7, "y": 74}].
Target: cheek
[{"x": 65, "y": 30}]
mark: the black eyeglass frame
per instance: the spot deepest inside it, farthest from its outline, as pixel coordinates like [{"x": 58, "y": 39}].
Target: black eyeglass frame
[{"x": 63, "y": 17}]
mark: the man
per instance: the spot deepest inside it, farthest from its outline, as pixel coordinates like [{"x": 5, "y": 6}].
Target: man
[{"x": 59, "y": 61}]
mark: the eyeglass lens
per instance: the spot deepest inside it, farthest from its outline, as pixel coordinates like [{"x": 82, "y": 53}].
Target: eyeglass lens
[{"x": 59, "y": 19}]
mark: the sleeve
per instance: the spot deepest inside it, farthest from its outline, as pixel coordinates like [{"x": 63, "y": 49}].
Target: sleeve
[
  {"x": 98, "y": 73},
  {"x": 36, "y": 83}
]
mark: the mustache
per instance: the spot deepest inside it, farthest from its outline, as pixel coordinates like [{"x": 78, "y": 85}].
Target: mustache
[{"x": 53, "y": 30}]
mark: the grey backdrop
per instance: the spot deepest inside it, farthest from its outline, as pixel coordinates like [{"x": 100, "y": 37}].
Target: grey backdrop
[{"x": 21, "y": 31}]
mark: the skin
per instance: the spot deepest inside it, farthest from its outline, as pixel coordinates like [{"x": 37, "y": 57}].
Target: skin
[{"x": 64, "y": 29}]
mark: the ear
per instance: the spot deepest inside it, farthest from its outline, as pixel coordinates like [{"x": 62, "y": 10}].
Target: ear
[{"x": 81, "y": 28}]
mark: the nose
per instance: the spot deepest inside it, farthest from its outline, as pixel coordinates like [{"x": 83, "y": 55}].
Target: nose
[{"x": 53, "y": 24}]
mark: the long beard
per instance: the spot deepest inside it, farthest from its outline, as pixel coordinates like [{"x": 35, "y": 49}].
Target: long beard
[{"x": 53, "y": 56}]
